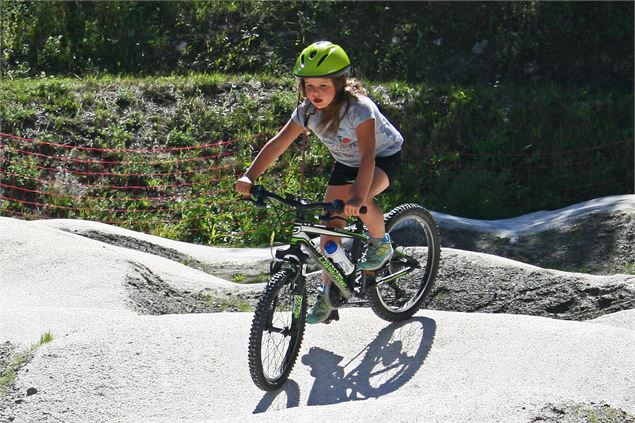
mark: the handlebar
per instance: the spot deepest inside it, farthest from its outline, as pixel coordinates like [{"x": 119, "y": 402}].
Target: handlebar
[{"x": 260, "y": 193}]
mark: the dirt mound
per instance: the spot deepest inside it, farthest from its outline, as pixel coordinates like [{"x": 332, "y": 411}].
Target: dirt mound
[
  {"x": 600, "y": 243},
  {"x": 475, "y": 282}
]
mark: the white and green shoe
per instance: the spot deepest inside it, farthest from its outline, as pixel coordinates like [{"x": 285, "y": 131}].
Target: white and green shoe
[
  {"x": 322, "y": 311},
  {"x": 379, "y": 251}
]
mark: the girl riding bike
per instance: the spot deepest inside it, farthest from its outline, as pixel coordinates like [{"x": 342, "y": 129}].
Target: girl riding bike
[{"x": 365, "y": 145}]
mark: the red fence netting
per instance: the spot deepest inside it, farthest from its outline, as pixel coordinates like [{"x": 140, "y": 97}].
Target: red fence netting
[{"x": 149, "y": 187}]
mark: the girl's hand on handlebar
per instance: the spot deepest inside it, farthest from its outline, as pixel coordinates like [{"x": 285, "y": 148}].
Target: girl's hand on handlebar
[
  {"x": 243, "y": 185},
  {"x": 352, "y": 207}
]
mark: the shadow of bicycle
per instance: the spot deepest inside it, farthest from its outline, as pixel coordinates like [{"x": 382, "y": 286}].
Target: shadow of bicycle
[
  {"x": 389, "y": 362},
  {"x": 286, "y": 397},
  {"x": 385, "y": 365}
]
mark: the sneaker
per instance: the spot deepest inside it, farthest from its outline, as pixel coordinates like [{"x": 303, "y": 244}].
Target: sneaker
[
  {"x": 320, "y": 311},
  {"x": 379, "y": 251}
]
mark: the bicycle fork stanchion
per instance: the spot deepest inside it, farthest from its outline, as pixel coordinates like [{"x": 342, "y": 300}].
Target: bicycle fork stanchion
[{"x": 299, "y": 291}]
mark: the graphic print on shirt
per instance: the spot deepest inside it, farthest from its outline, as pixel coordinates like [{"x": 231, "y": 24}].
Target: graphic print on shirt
[{"x": 343, "y": 146}]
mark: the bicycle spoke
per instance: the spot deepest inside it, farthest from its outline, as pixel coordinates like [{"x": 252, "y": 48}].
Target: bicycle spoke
[
  {"x": 276, "y": 336},
  {"x": 403, "y": 283}
]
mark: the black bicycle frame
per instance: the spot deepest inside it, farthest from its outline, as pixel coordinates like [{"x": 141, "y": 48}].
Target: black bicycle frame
[{"x": 300, "y": 236}]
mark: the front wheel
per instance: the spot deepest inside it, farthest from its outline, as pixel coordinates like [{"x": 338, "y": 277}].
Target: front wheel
[
  {"x": 277, "y": 330},
  {"x": 405, "y": 281}
]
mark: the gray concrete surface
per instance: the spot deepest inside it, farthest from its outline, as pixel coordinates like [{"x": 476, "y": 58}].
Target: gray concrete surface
[
  {"x": 110, "y": 364},
  {"x": 440, "y": 366}
]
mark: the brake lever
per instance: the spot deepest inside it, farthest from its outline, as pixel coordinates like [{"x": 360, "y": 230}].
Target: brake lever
[{"x": 337, "y": 206}]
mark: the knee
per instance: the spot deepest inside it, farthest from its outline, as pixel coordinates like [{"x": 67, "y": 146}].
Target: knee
[
  {"x": 338, "y": 222},
  {"x": 331, "y": 225}
]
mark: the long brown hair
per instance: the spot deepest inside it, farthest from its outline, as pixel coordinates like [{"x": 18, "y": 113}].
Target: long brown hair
[{"x": 346, "y": 89}]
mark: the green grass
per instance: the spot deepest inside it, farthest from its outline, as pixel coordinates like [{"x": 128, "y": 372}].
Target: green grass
[
  {"x": 9, "y": 372},
  {"x": 227, "y": 303},
  {"x": 602, "y": 414},
  {"x": 473, "y": 151},
  {"x": 249, "y": 279}
]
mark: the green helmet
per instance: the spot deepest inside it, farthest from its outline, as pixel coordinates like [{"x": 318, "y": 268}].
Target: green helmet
[{"x": 322, "y": 59}]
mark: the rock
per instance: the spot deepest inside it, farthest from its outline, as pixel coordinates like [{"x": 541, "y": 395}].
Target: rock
[
  {"x": 31, "y": 391},
  {"x": 150, "y": 294},
  {"x": 582, "y": 413}
]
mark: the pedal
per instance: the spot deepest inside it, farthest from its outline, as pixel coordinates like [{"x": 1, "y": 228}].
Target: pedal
[
  {"x": 336, "y": 299},
  {"x": 335, "y": 315}
]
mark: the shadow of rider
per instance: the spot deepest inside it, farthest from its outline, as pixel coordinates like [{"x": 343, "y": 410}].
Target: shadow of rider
[{"x": 390, "y": 361}]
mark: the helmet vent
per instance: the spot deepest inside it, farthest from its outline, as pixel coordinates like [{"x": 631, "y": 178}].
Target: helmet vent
[{"x": 322, "y": 59}]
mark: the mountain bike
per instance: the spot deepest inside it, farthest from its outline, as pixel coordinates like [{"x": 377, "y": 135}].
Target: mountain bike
[{"x": 395, "y": 291}]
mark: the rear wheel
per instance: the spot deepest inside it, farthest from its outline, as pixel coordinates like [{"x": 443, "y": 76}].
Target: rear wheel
[
  {"x": 404, "y": 282},
  {"x": 277, "y": 330}
]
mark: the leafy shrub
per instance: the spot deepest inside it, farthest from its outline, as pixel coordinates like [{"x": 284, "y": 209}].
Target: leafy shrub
[
  {"x": 479, "y": 150},
  {"x": 580, "y": 43}
]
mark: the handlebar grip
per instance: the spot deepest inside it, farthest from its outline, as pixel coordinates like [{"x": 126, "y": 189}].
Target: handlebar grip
[
  {"x": 258, "y": 194},
  {"x": 337, "y": 206}
]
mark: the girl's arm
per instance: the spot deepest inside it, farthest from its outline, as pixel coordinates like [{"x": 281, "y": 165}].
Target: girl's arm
[
  {"x": 268, "y": 154},
  {"x": 361, "y": 186}
]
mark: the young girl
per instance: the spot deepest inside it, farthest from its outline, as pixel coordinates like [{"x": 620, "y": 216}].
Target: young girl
[{"x": 365, "y": 145}]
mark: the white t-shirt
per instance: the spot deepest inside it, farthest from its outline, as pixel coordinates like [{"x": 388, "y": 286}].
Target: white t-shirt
[{"x": 344, "y": 145}]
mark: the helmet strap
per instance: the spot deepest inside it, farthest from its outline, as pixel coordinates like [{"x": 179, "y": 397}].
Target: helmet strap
[
  {"x": 305, "y": 142},
  {"x": 305, "y": 146}
]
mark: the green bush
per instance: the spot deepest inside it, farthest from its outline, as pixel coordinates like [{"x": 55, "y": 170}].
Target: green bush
[
  {"x": 476, "y": 151},
  {"x": 580, "y": 43}
]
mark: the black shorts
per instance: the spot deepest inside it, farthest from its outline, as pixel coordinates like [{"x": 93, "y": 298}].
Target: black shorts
[{"x": 345, "y": 175}]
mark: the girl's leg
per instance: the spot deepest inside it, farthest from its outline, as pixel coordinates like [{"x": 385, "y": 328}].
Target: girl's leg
[
  {"x": 322, "y": 309},
  {"x": 373, "y": 219},
  {"x": 379, "y": 246}
]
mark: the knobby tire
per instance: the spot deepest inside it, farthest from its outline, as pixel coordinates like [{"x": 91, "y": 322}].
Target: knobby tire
[
  {"x": 269, "y": 346},
  {"x": 421, "y": 233}
]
